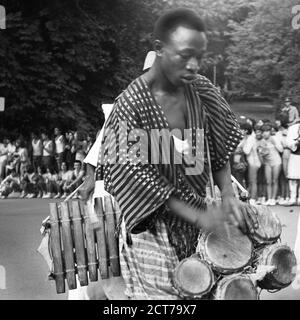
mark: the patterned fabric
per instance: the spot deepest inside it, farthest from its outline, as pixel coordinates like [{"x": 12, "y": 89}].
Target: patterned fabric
[{"x": 142, "y": 189}]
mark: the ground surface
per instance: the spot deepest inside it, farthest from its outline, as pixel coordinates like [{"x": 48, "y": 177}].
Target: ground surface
[{"x": 26, "y": 272}]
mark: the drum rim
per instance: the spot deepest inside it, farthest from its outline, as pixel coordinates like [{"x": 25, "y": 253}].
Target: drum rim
[
  {"x": 221, "y": 283},
  {"x": 215, "y": 266},
  {"x": 185, "y": 293}
]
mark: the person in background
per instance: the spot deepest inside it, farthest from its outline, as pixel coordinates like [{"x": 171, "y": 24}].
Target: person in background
[
  {"x": 281, "y": 135},
  {"x": 39, "y": 182},
  {"x": 90, "y": 138},
  {"x": 50, "y": 178},
  {"x": 253, "y": 160},
  {"x": 27, "y": 183},
  {"x": 9, "y": 184},
  {"x": 59, "y": 148},
  {"x": 238, "y": 159},
  {"x": 70, "y": 149},
  {"x": 290, "y": 112},
  {"x": 37, "y": 150},
  {"x": 269, "y": 151},
  {"x": 48, "y": 151},
  {"x": 76, "y": 179},
  {"x": 293, "y": 167},
  {"x": 4, "y": 150},
  {"x": 64, "y": 176},
  {"x": 24, "y": 160},
  {"x": 80, "y": 145}
]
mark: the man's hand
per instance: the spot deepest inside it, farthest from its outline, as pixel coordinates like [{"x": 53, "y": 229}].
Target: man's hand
[
  {"x": 87, "y": 188},
  {"x": 240, "y": 214}
]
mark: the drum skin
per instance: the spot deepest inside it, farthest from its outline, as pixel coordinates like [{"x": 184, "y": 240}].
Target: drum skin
[
  {"x": 284, "y": 259},
  {"x": 235, "y": 287},
  {"x": 193, "y": 277},
  {"x": 227, "y": 252},
  {"x": 269, "y": 226}
]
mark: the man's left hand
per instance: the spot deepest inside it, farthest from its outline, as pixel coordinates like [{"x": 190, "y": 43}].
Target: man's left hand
[{"x": 240, "y": 214}]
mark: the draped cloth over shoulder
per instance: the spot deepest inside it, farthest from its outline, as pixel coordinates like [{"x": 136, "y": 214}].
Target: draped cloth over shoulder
[{"x": 142, "y": 188}]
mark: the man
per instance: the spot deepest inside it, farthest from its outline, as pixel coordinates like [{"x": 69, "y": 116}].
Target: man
[
  {"x": 59, "y": 148},
  {"x": 162, "y": 207},
  {"x": 48, "y": 151},
  {"x": 76, "y": 179},
  {"x": 290, "y": 111}
]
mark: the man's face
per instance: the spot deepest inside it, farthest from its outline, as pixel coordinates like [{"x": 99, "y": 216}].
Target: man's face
[
  {"x": 181, "y": 55},
  {"x": 63, "y": 166},
  {"x": 56, "y": 131},
  {"x": 76, "y": 166},
  {"x": 287, "y": 103},
  {"x": 258, "y": 134}
]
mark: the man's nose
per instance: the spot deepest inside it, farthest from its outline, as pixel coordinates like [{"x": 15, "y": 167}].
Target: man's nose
[{"x": 193, "y": 65}]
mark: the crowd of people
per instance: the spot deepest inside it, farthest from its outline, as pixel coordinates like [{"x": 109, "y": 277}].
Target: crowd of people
[
  {"x": 54, "y": 168},
  {"x": 43, "y": 167},
  {"x": 265, "y": 161}
]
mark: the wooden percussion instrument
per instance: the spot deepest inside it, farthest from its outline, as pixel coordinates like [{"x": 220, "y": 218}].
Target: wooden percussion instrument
[
  {"x": 269, "y": 226},
  {"x": 193, "y": 277},
  {"x": 284, "y": 260},
  {"x": 227, "y": 252},
  {"x": 235, "y": 287},
  {"x": 79, "y": 246}
]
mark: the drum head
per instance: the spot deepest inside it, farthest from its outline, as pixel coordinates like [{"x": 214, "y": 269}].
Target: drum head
[
  {"x": 229, "y": 251},
  {"x": 240, "y": 288},
  {"x": 285, "y": 261},
  {"x": 193, "y": 277}
]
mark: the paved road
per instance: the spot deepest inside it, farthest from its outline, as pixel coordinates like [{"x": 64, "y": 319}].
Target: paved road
[{"x": 26, "y": 272}]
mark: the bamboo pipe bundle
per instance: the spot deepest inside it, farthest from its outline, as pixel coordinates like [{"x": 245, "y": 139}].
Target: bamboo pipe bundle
[
  {"x": 80, "y": 254},
  {"x": 101, "y": 240},
  {"x": 113, "y": 247},
  {"x": 56, "y": 249}
]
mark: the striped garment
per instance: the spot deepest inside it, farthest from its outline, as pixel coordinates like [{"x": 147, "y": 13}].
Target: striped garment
[{"x": 141, "y": 189}]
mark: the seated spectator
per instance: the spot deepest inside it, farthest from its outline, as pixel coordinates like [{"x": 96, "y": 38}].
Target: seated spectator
[
  {"x": 39, "y": 182},
  {"x": 27, "y": 183},
  {"x": 76, "y": 179},
  {"x": 50, "y": 178},
  {"x": 10, "y": 184},
  {"x": 64, "y": 176}
]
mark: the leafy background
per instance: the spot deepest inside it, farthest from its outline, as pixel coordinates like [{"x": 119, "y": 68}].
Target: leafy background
[{"x": 60, "y": 60}]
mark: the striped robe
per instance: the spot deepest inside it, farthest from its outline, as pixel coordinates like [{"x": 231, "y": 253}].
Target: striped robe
[{"x": 152, "y": 239}]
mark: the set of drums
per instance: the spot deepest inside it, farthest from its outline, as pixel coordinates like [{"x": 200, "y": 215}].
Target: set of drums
[{"x": 224, "y": 265}]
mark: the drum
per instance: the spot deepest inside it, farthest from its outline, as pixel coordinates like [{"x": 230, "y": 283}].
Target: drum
[
  {"x": 284, "y": 260},
  {"x": 226, "y": 252},
  {"x": 193, "y": 278},
  {"x": 235, "y": 287},
  {"x": 269, "y": 226},
  {"x": 78, "y": 246}
]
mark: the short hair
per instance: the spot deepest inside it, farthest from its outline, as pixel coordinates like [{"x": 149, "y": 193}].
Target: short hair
[
  {"x": 257, "y": 127},
  {"x": 246, "y": 126},
  {"x": 171, "y": 19},
  {"x": 266, "y": 127}
]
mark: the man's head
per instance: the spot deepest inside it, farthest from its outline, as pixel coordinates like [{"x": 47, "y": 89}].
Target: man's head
[
  {"x": 287, "y": 102},
  {"x": 179, "y": 43},
  {"x": 57, "y": 132},
  {"x": 64, "y": 166},
  {"x": 77, "y": 165}
]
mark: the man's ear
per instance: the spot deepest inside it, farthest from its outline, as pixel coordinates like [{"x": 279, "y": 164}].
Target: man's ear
[{"x": 158, "y": 47}]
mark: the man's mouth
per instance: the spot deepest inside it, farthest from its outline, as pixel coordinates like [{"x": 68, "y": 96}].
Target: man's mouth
[{"x": 189, "y": 77}]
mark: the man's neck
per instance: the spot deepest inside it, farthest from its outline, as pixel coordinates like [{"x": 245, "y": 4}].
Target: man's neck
[{"x": 159, "y": 82}]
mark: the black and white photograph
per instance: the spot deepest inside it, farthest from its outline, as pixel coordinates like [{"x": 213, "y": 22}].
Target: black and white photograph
[{"x": 149, "y": 151}]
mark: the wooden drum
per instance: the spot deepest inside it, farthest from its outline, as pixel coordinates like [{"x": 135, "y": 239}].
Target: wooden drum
[
  {"x": 193, "y": 277},
  {"x": 78, "y": 246},
  {"x": 284, "y": 260},
  {"x": 235, "y": 287},
  {"x": 269, "y": 226},
  {"x": 226, "y": 252}
]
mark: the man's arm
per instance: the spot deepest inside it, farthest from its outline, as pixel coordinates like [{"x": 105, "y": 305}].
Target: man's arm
[{"x": 236, "y": 211}]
